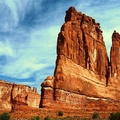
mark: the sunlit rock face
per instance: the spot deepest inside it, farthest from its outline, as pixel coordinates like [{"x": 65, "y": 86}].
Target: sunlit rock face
[
  {"x": 5, "y": 95},
  {"x": 13, "y": 96},
  {"x": 83, "y": 77},
  {"x": 114, "y": 69},
  {"x": 115, "y": 55},
  {"x": 47, "y": 92},
  {"x": 80, "y": 46}
]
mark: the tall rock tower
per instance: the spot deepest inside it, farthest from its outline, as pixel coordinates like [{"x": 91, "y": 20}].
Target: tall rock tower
[
  {"x": 114, "y": 67},
  {"x": 115, "y": 56},
  {"x": 80, "y": 46},
  {"x": 82, "y": 69}
]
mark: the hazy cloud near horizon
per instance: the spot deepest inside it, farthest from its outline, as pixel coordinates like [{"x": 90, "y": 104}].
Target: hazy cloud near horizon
[{"x": 29, "y": 29}]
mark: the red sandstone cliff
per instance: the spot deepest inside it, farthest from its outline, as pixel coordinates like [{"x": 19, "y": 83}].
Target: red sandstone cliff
[
  {"x": 83, "y": 77},
  {"x": 13, "y": 96},
  {"x": 114, "y": 68}
]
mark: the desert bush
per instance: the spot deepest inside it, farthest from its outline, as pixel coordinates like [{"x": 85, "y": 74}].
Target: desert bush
[
  {"x": 60, "y": 113},
  {"x": 47, "y": 118},
  {"x": 95, "y": 116},
  {"x": 5, "y": 116},
  {"x": 112, "y": 116},
  {"x": 35, "y": 118},
  {"x": 115, "y": 116}
]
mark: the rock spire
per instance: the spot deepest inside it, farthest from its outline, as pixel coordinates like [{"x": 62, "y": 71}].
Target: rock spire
[{"x": 83, "y": 73}]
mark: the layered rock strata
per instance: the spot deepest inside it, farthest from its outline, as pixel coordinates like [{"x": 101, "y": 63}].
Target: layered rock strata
[
  {"x": 14, "y": 96},
  {"x": 83, "y": 77}
]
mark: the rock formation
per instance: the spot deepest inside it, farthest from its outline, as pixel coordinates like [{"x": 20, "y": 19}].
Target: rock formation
[
  {"x": 83, "y": 77},
  {"x": 114, "y": 68},
  {"x": 14, "y": 96}
]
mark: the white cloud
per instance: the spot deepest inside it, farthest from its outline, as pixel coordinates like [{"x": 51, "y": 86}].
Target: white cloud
[
  {"x": 12, "y": 6},
  {"x": 9, "y": 16},
  {"x": 6, "y": 49},
  {"x": 14, "y": 11},
  {"x": 33, "y": 55},
  {"x": 22, "y": 68}
]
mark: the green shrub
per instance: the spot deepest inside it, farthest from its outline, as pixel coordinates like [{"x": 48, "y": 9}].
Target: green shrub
[
  {"x": 47, "y": 118},
  {"x": 5, "y": 116},
  {"x": 35, "y": 118},
  {"x": 115, "y": 116},
  {"x": 112, "y": 116},
  {"x": 95, "y": 116},
  {"x": 60, "y": 113}
]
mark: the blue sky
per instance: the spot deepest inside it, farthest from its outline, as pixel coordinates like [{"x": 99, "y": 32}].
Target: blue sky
[{"x": 29, "y": 30}]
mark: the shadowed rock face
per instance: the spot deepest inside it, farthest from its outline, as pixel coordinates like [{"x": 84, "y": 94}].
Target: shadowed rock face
[
  {"x": 14, "y": 96},
  {"x": 83, "y": 77}
]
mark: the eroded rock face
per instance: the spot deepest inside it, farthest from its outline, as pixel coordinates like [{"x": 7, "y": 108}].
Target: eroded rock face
[
  {"x": 81, "y": 41},
  {"x": 13, "y": 96},
  {"x": 47, "y": 92},
  {"x": 5, "y": 96},
  {"x": 83, "y": 77},
  {"x": 82, "y": 61},
  {"x": 115, "y": 55},
  {"x": 114, "y": 68}
]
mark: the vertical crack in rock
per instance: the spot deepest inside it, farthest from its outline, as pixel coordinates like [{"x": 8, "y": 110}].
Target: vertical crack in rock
[{"x": 11, "y": 97}]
